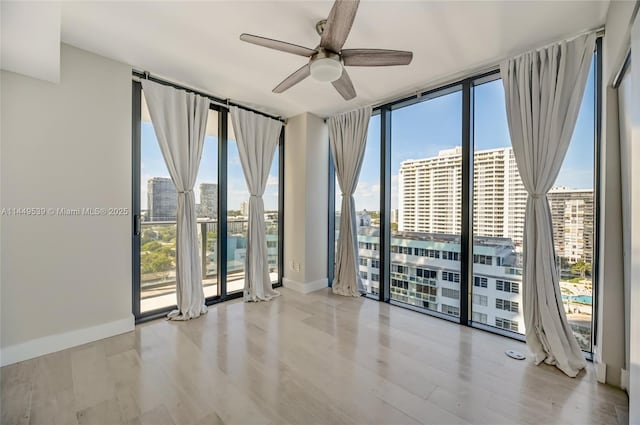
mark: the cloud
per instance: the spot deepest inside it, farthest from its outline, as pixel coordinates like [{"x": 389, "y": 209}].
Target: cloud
[
  {"x": 367, "y": 196},
  {"x": 272, "y": 181}
]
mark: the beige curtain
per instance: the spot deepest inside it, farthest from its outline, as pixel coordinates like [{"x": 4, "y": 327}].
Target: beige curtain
[
  {"x": 180, "y": 120},
  {"x": 348, "y": 137},
  {"x": 257, "y": 137},
  {"x": 543, "y": 93}
]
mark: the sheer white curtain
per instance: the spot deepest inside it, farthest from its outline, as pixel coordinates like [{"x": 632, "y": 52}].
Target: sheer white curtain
[
  {"x": 543, "y": 93},
  {"x": 257, "y": 137},
  {"x": 180, "y": 120},
  {"x": 348, "y": 137}
]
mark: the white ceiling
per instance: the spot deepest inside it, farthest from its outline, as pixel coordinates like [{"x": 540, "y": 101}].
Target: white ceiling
[
  {"x": 197, "y": 44},
  {"x": 30, "y": 39}
]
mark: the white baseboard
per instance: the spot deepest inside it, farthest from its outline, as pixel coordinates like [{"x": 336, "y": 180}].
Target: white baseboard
[
  {"x": 305, "y": 288},
  {"x": 624, "y": 379},
  {"x": 601, "y": 372},
  {"x": 51, "y": 344}
]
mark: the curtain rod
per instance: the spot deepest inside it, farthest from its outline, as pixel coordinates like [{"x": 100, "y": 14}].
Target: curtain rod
[
  {"x": 623, "y": 69},
  {"x": 458, "y": 78},
  {"x": 626, "y": 63},
  {"x": 225, "y": 103}
]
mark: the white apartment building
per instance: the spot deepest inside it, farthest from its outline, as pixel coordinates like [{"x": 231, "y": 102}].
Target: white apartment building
[
  {"x": 572, "y": 215},
  {"x": 425, "y": 272},
  {"x": 430, "y": 194}
]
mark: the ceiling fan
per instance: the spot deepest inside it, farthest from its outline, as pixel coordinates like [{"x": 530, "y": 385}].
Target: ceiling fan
[{"x": 327, "y": 61}]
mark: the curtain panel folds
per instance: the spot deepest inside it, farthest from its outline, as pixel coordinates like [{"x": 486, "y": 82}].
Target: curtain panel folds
[
  {"x": 348, "y": 138},
  {"x": 543, "y": 93},
  {"x": 180, "y": 121},
  {"x": 257, "y": 137}
]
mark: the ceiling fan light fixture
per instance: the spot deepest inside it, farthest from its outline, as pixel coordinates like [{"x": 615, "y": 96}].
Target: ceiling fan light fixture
[{"x": 326, "y": 69}]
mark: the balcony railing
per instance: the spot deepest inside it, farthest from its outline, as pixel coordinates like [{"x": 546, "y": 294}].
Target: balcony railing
[{"x": 158, "y": 258}]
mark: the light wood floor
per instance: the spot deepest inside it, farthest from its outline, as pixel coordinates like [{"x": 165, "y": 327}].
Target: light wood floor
[{"x": 314, "y": 359}]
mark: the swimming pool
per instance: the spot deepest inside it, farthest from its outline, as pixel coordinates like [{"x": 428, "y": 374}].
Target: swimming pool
[{"x": 582, "y": 299}]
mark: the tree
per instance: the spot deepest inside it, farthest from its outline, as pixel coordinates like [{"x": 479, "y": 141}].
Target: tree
[
  {"x": 148, "y": 236},
  {"x": 156, "y": 262},
  {"x": 169, "y": 233},
  {"x": 151, "y": 246},
  {"x": 581, "y": 268}
]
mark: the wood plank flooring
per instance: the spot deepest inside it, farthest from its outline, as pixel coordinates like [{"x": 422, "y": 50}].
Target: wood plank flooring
[{"x": 301, "y": 359}]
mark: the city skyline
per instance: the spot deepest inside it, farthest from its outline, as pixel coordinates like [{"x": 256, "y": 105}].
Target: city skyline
[
  {"x": 162, "y": 200},
  {"x": 153, "y": 165}
]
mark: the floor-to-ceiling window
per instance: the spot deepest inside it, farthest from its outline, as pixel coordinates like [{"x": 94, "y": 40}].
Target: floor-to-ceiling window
[
  {"x": 572, "y": 201},
  {"x": 426, "y": 202},
  {"x": 367, "y": 205},
  {"x": 499, "y": 201},
  {"x": 456, "y": 208},
  {"x": 158, "y": 205},
  {"x": 238, "y": 216},
  {"x": 367, "y": 198},
  {"x": 220, "y": 185}
]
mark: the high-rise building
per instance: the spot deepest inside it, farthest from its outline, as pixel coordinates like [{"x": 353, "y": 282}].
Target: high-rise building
[
  {"x": 425, "y": 272},
  {"x": 430, "y": 194},
  {"x": 162, "y": 199},
  {"x": 244, "y": 208},
  {"x": 209, "y": 200},
  {"x": 499, "y": 196},
  {"x": 364, "y": 218},
  {"x": 394, "y": 215},
  {"x": 572, "y": 215}
]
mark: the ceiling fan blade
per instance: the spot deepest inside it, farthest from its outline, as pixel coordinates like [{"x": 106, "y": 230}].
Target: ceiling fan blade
[
  {"x": 344, "y": 86},
  {"x": 293, "y": 79},
  {"x": 278, "y": 45},
  {"x": 375, "y": 57},
  {"x": 339, "y": 24}
]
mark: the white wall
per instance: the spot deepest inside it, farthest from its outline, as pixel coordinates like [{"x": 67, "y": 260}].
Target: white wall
[
  {"x": 633, "y": 318},
  {"x": 626, "y": 169},
  {"x": 610, "y": 343},
  {"x": 65, "y": 280},
  {"x": 306, "y": 203},
  {"x": 630, "y": 154}
]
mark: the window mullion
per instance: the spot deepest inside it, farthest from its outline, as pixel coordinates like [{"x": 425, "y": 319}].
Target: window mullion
[{"x": 466, "y": 245}]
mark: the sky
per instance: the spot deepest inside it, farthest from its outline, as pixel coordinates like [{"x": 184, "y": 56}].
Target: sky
[
  {"x": 421, "y": 130},
  {"x": 153, "y": 165}
]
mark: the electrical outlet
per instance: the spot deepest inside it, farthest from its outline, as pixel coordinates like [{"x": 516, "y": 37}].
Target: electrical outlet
[{"x": 297, "y": 267}]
